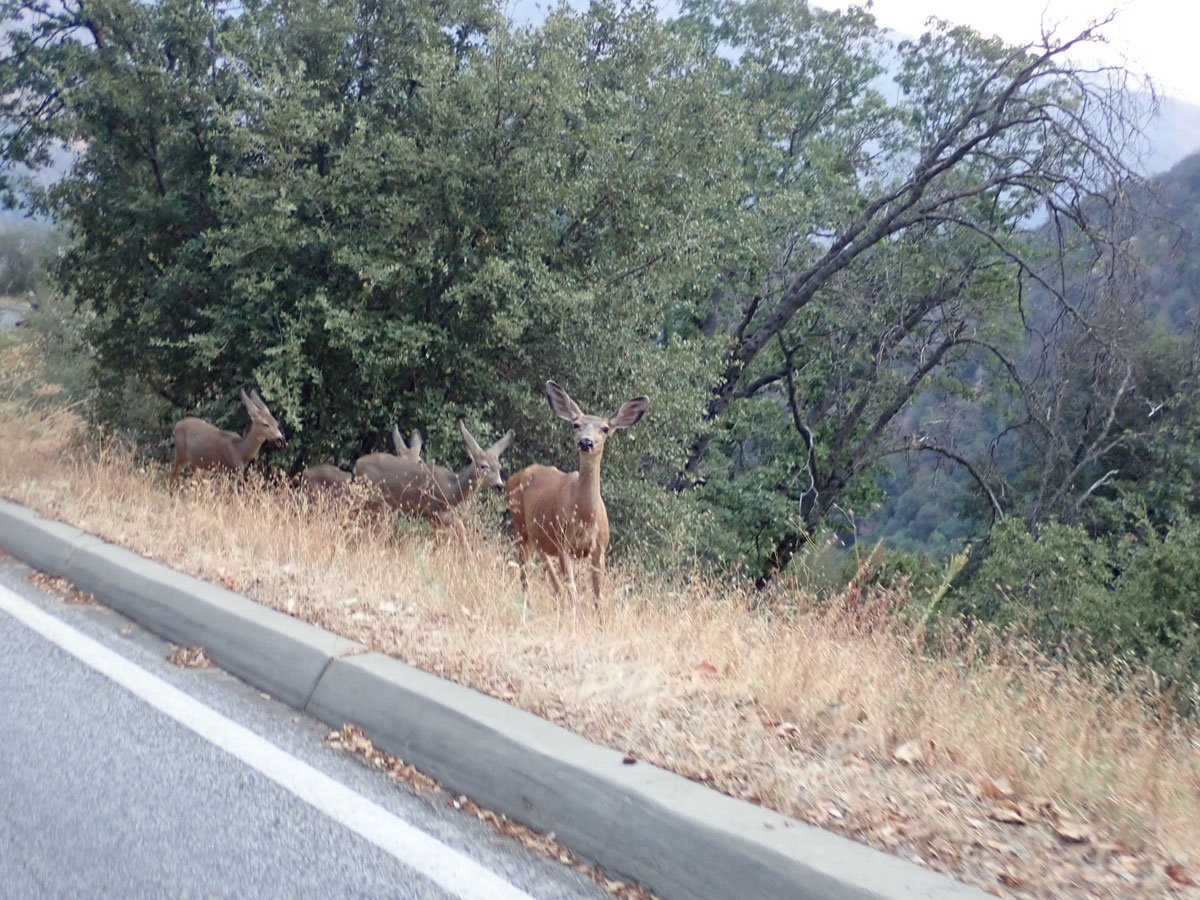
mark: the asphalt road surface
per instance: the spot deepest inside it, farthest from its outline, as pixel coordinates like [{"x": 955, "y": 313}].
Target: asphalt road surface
[{"x": 122, "y": 775}]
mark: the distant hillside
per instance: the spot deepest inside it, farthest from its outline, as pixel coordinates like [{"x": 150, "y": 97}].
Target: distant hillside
[
  {"x": 1169, "y": 240},
  {"x": 924, "y": 506}
]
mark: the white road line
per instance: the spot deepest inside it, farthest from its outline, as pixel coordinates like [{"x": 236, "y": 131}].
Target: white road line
[{"x": 449, "y": 869}]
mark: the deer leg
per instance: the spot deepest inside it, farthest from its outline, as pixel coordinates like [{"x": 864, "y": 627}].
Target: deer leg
[
  {"x": 597, "y": 560},
  {"x": 446, "y": 519},
  {"x": 568, "y": 566},
  {"x": 550, "y": 570}
]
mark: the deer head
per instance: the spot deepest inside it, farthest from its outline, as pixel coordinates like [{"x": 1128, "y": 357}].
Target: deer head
[
  {"x": 486, "y": 462},
  {"x": 592, "y": 431},
  {"x": 261, "y": 418}
]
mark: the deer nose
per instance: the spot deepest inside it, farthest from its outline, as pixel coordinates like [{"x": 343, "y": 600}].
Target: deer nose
[{"x": 585, "y": 444}]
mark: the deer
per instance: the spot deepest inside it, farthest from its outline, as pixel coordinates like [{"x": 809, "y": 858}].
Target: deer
[
  {"x": 202, "y": 445},
  {"x": 336, "y": 481},
  {"x": 562, "y": 514},
  {"x": 325, "y": 477},
  {"x": 433, "y": 492}
]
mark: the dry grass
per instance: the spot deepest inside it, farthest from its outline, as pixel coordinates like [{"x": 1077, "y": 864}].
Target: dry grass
[{"x": 1004, "y": 769}]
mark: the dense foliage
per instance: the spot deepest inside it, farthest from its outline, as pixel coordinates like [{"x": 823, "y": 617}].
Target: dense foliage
[
  {"x": 832, "y": 260},
  {"x": 26, "y": 249}
]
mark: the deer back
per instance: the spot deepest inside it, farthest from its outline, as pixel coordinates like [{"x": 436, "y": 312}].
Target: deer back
[
  {"x": 407, "y": 484},
  {"x": 203, "y": 445},
  {"x": 324, "y": 477}
]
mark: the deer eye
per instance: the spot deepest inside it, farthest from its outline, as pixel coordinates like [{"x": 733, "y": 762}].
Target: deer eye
[
  {"x": 604, "y": 429},
  {"x": 483, "y": 467},
  {"x": 575, "y": 426}
]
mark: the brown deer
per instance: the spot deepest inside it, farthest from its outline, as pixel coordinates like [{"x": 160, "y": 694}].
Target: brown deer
[
  {"x": 325, "y": 477},
  {"x": 563, "y": 515},
  {"x": 429, "y": 491},
  {"x": 202, "y": 445},
  {"x": 336, "y": 482}
]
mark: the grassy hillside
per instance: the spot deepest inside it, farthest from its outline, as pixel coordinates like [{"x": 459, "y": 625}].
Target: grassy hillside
[{"x": 993, "y": 764}]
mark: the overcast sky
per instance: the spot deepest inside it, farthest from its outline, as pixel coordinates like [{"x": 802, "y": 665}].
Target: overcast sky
[{"x": 1157, "y": 37}]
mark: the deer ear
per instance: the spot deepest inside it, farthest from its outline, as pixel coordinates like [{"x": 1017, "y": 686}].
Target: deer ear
[
  {"x": 415, "y": 443},
  {"x": 501, "y": 445},
  {"x": 562, "y": 404},
  {"x": 247, "y": 401},
  {"x": 469, "y": 439},
  {"x": 257, "y": 399},
  {"x": 629, "y": 413},
  {"x": 398, "y": 440}
]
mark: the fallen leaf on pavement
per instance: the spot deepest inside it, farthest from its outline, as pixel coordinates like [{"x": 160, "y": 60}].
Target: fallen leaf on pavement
[
  {"x": 190, "y": 658},
  {"x": 1007, "y": 815},
  {"x": 790, "y": 733}
]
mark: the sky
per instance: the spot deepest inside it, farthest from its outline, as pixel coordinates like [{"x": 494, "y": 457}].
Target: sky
[{"x": 1156, "y": 37}]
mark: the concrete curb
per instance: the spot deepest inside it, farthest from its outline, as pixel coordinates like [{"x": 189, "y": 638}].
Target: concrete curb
[
  {"x": 275, "y": 652},
  {"x": 680, "y": 839}
]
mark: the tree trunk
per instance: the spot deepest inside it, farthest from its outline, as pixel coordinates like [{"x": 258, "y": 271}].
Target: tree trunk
[{"x": 778, "y": 558}]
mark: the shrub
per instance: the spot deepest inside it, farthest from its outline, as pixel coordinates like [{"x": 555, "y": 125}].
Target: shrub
[{"x": 1131, "y": 599}]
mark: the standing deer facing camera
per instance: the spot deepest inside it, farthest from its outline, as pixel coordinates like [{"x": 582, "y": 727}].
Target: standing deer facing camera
[
  {"x": 563, "y": 515},
  {"x": 202, "y": 445}
]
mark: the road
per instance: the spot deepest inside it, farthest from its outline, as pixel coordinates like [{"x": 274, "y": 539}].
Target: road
[{"x": 122, "y": 775}]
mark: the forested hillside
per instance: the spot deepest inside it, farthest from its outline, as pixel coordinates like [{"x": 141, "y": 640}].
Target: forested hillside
[
  {"x": 379, "y": 213},
  {"x": 925, "y": 508},
  {"x": 1166, "y": 239}
]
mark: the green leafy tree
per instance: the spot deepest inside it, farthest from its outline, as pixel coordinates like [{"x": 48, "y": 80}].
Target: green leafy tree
[
  {"x": 378, "y": 213},
  {"x": 136, "y": 89}
]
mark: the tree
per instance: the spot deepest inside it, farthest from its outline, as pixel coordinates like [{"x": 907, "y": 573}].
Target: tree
[
  {"x": 26, "y": 249},
  {"x": 379, "y": 212},
  {"x": 385, "y": 212},
  {"x": 136, "y": 89},
  {"x": 900, "y": 267}
]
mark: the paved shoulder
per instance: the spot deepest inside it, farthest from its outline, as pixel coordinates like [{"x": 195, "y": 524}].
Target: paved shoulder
[{"x": 118, "y": 783}]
